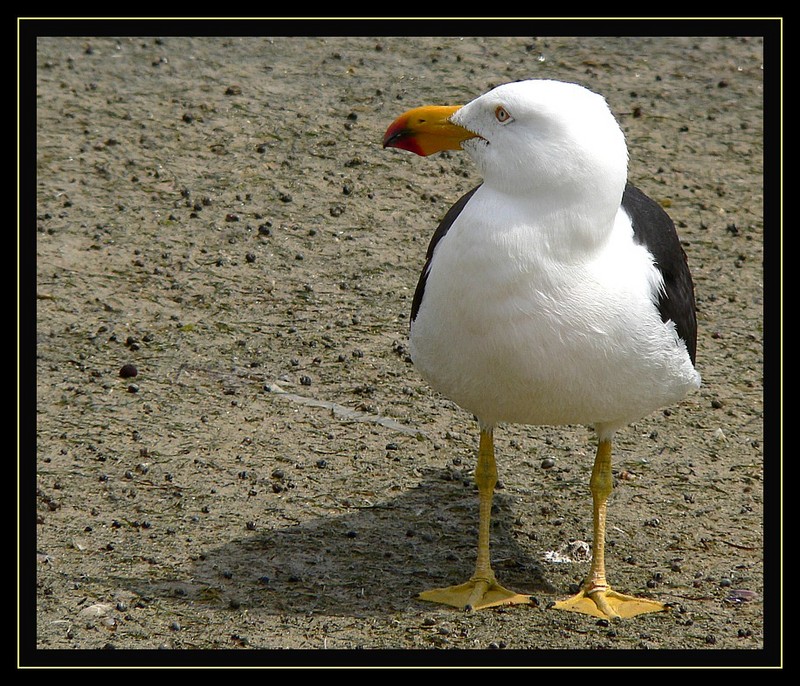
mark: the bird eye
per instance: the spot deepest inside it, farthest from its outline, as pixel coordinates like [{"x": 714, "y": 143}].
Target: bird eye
[{"x": 502, "y": 115}]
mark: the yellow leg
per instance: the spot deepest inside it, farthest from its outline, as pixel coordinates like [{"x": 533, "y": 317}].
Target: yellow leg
[
  {"x": 482, "y": 590},
  {"x": 597, "y": 598}
]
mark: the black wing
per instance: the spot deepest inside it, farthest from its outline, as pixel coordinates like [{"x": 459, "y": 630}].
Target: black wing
[
  {"x": 441, "y": 230},
  {"x": 653, "y": 228}
]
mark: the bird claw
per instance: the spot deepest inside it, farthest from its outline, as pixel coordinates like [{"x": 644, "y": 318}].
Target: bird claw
[
  {"x": 608, "y": 604},
  {"x": 475, "y": 594}
]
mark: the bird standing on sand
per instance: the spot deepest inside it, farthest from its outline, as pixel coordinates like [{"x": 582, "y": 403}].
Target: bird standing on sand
[{"x": 553, "y": 293}]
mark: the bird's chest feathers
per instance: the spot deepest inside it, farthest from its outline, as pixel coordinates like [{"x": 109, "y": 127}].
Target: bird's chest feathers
[
  {"x": 479, "y": 275},
  {"x": 511, "y": 280}
]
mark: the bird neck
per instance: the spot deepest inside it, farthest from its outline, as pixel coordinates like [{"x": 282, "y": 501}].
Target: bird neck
[{"x": 567, "y": 226}]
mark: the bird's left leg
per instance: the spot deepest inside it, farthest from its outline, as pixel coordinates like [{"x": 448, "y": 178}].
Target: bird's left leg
[
  {"x": 596, "y": 597},
  {"x": 482, "y": 589}
]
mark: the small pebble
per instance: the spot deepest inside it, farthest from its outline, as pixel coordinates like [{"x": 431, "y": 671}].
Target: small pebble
[{"x": 128, "y": 371}]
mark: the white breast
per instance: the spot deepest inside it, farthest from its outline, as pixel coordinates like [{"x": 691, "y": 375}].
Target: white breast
[{"x": 518, "y": 325}]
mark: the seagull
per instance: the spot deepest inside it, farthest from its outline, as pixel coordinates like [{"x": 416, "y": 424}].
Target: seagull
[{"x": 553, "y": 293}]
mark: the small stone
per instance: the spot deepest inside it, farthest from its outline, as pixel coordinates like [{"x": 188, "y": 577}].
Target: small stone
[
  {"x": 128, "y": 371},
  {"x": 741, "y": 595}
]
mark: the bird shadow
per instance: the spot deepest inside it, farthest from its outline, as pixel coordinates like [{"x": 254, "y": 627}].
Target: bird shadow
[{"x": 369, "y": 560}]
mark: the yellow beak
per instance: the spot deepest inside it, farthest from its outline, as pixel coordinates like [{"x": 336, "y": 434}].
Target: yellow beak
[{"x": 426, "y": 130}]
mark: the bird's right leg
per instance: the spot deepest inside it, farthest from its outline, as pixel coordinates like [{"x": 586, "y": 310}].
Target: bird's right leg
[{"x": 482, "y": 590}]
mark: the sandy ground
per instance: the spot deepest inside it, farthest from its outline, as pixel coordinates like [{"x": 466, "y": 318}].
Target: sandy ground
[{"x": 219, "y": 213}]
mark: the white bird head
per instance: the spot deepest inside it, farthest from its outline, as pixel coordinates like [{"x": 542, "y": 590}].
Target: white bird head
[{"x": 537, "y": 138}]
